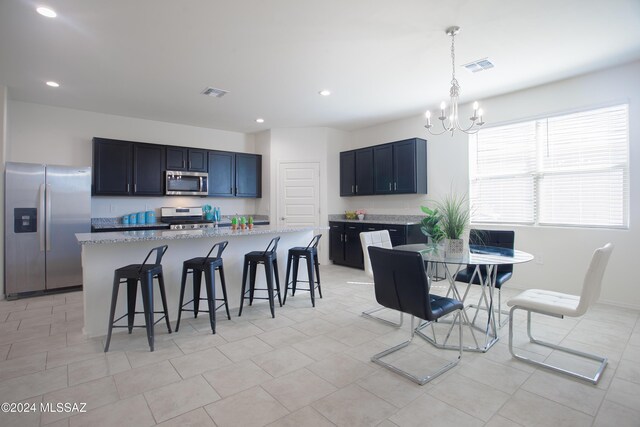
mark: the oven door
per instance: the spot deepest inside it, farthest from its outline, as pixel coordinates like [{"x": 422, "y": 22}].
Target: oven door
[{"x": 180, "y": 183}]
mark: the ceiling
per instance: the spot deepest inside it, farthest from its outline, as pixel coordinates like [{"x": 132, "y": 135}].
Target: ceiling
[{"x": 381, "y": 59}]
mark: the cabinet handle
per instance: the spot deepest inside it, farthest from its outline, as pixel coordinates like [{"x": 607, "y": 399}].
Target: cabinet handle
[
  {"x": 345, "y": 238},
  {"x": 352, "y": 190},
  {"x": 128, "y": 188},
  {"x": 389, "y": 186},
  {"x": 392, "y": 229},
  {"x": 356, "y": 188},
  {"x": 183, "y": 162},
  {"x": 371, "y": 229},
  {"x": 189, "y": 164},
  {"x": 395, "y": 185},
  {"x": 341, "y": 237},
  {"x": 135, "y": 188}
]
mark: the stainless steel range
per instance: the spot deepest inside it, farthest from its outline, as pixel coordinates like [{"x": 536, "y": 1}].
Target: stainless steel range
[{"x": 184, "y": 218}]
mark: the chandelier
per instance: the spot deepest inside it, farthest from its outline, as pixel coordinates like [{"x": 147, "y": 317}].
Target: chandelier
[{"x": 449, "y": 119}]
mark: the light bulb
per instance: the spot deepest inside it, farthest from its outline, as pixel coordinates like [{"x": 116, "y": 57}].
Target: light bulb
[
  {"x": 443, "y": 105},
  {"x": 428, "y": 114},
  {"x": 45, "y": 11},
  {"x": 475, "y": 105}
]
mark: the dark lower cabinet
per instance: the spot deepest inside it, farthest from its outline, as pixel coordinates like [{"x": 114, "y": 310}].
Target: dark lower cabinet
[
  {"x": 248, "y": 175},
  {"x": 221, "y": 173},
  {"x": 344, "y": 239}
]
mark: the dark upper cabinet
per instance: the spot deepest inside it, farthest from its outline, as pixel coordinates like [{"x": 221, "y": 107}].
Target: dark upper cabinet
[
  {"x": 347, "y": 173},
  {"x": 111, "y": 167},
  {"x": 221, "y": 173},
  {"x": 410, "y": 166},
  {"x": 364, "y": 172},
  {"x": 248, "y": 175},
  {"x": 395, "y": 168},
  {"x": 148, "y": 169},
  {"x": 356, "y": 172},
  {"x": 124, "y": 168},
  {"x": 383, "y": 169},
  {"x": 186, "y": 159}
]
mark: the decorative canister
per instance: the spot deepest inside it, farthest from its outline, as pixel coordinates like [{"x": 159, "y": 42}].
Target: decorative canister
[
  {"x": 141, "y": 217},
  {"x": 133, "y": 219},
  {"x": 150, "y": 217},
  {"x": 125, "y": 220}
]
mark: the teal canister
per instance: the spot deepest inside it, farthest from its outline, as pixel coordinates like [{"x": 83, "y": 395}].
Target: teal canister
[
  {"x": 141, "y": 218},
  {"x": 133, "y": 219},
  {"x": 125, "y": 220},
  {"x": 150, "y": 217}
]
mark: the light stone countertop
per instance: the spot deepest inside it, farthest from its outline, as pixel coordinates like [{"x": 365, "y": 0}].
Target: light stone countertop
[{"x": 146, "y": 235}]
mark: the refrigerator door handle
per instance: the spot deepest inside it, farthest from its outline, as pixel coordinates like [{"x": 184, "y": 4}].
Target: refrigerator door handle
[
  {"x": 41, "y": 217},
  {"x": 48, "y": 217}
]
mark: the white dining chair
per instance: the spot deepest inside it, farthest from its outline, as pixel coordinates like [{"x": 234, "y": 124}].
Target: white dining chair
[
  {"x": 382, "y": 239},
  {"x": 558, "y": 304}
]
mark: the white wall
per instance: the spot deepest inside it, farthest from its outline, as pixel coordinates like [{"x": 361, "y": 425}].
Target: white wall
[
  {"x": 54, "y": 135},
  {"x": 565, "y": 252}
]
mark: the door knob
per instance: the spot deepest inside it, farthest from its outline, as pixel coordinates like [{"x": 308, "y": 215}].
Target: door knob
[{"x": 282, "y": 218}]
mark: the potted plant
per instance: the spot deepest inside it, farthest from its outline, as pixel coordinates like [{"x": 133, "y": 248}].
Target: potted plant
[
  {"x": 250, "y": 223},
  {"x": 234, "y": 223},
  {"x": 447, "y": 221},
  {"x": 361, "y": 213},
  {"x": 243, "y": 223}
]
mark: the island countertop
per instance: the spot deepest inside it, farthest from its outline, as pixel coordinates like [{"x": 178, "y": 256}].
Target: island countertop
[{"x": 148, "y": 235}]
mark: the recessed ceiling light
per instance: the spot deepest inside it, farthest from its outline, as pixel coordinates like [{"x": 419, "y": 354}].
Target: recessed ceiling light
[
  {"x": 325, "y": 92},
  {"x": 259, "y": 120},
  {"x": 45, "y": 11},
  {"x": 53, "y": 84}
]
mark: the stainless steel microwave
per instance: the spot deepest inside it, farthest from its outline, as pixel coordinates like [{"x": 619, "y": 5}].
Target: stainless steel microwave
[{"x": 184, "y": 183}]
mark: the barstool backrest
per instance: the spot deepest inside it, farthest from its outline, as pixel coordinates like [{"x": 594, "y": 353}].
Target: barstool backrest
[
  {"x": 160, "y": 250},
  {"x": 273, "y": 242},
  {"x": 221, "y": 246},
  {"x": 314, "y": 242}
]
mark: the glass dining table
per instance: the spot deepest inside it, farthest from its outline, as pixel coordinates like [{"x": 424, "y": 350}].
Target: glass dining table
[{"x": 486, "y": 260}]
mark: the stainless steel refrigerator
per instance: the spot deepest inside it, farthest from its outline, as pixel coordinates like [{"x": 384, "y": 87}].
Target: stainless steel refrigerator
[{"x": 45, "y": 206}]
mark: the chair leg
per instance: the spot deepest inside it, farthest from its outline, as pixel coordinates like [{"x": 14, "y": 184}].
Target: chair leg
[
  {"x": 163, "y": 296},
  {"x": 423, "y": 379},
  {"x": 252, "y": 281},
  {"x": 132, "y": 292},
  {"x": 268, "y": 269},
  {"x": 244, "y": 286},
  {"x": 223, "y": 285},
  {"x": 183, "y": 285},
  {"x": 210, "y": 283},
  {"x": 276, "y": 275},
  {"x": 286, "y": 278},
  {"x": 317, "y": 265},
  {"x": 112, "y": 312},
  {"x": 197, "y": 282},
  {"x": 294, "y": 284},
  {"x": 146, "y": 286},
  {"x": 311, "y": 279},
  {"x": 601, "y": 360}
]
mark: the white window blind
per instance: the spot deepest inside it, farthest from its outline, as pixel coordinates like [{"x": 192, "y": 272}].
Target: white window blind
[{"x": 565, "y": 170}]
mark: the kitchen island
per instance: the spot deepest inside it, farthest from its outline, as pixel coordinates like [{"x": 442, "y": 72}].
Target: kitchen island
[{"x": 102, "y": 253}]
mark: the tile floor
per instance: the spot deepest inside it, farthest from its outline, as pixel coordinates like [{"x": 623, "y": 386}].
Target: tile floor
[{"x": 306, "y": 367}]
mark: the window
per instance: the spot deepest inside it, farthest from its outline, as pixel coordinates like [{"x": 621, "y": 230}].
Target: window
[{"x": 569, "y": 170}]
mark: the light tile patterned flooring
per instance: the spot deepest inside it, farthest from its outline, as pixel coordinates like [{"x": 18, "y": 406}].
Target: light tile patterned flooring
[{"x": 306, "y": 367}]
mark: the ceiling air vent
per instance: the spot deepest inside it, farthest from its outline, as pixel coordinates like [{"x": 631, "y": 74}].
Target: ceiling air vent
[
  {"x": 212, "y": 91},
  {"x": 479, "y": 65}
]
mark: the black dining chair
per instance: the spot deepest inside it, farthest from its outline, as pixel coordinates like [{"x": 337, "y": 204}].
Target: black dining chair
[
  {"x": 478, "y": 276},
  {"x": 401, "y": 283}
]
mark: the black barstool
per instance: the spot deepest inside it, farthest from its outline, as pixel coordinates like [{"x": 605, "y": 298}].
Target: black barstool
[
  {"x": 268, "y": 257},
  {"x": 310, "y": 253},
  {"x": 131, "y": 274},
  {"x": 208, "y": 265}
]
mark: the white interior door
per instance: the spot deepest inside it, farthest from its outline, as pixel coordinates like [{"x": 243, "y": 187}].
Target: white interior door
[{"x": 299, "y": 194}]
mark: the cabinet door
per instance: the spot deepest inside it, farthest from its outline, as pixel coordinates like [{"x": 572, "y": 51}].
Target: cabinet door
[
  {"x": 177, "y": 158},
  {"x": 398, "y": 234},
  {"x": 364, "y": 171},
  {"x": 383, "y": 169},
  {"x": 148, "y": 170},
  {"x": 197, "y": 160},
  {"x": 111, "y": 167},
  {"x": 404, "y": 166},
  {"x": 347, "y": 173},
  {"x": 336, "y": 245},
  {"x": 221, "y": 173},
  {"x": 248, "y": 175},
  {"x": 352, "y": 247}
]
